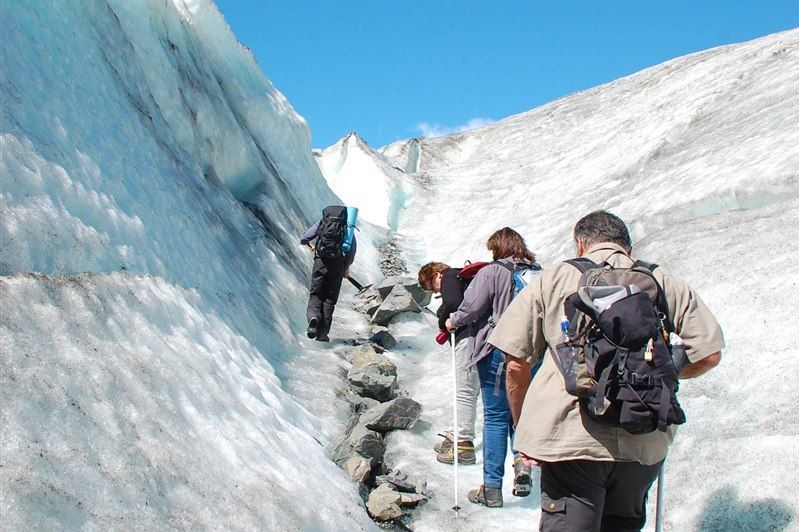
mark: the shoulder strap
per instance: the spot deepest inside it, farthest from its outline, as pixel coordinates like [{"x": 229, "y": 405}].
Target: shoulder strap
[
  {"x": 663, "y": 304},
  {"x": 582, "y": 263},
  {"x": 648, "y": 265},
  {"x": 510, "y": 267}
]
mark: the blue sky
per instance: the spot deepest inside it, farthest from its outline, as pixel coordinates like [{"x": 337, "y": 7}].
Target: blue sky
[{"x": 394, "y": 70}]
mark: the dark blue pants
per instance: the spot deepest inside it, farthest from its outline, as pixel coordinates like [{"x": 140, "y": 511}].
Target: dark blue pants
[{"x": 497, "y": 420}]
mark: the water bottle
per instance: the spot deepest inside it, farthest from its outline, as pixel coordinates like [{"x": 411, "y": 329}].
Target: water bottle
[
  {"x": 569, "y": 351},
  {"x": 678, "y": 354}
]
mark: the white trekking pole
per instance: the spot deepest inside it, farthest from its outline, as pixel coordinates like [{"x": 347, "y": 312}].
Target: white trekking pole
[
  {"x": 659, "y": 507},
  {"x": 455, "y": 418}
]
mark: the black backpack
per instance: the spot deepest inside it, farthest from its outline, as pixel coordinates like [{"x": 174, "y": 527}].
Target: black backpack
[
  {"x": 615, "y": 353},
  {"x": 331, "y": 232}
]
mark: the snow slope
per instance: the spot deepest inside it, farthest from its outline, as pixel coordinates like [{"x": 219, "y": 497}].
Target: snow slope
[
  {"x": 355, "y": 171},
  {"x": 154, "y": 370},
  {"x": 700, "y": 155}
]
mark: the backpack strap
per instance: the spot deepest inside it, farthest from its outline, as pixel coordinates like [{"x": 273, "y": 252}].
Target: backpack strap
[
  {"x": 582, "y": 263},
  {"x": 663, "y": 304},
  {"x": 510, "y": 267}
]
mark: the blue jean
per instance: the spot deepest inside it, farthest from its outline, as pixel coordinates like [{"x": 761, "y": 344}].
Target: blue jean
[{"x": 497, "y": 420}]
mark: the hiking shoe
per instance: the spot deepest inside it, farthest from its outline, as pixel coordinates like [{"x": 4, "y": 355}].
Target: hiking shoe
[
  {"x": 466, "y": 454},
  {"x": 491, "y": 497},
  {"x": 522, "y": 481},
  {"x": 313, "y": 325},
  {"x": 443, "y": 446},
  {"x": 323, "y": 338}
]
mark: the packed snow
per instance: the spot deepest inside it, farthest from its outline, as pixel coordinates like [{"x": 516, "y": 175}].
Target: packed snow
[{"x": 154, "y": 184}]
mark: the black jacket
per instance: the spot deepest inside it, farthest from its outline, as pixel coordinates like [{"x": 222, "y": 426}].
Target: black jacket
[{"x": 451, "y": 297}]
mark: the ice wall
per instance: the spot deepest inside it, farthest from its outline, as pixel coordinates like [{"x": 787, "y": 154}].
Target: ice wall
[{"x": 152, "y": 374}]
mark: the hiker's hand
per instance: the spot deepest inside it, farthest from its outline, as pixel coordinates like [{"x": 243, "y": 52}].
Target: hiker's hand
[
  {"x": 346, "y": 273},
  {"x": 529, "y": 461},
  {"x": 448, "y": 325}
]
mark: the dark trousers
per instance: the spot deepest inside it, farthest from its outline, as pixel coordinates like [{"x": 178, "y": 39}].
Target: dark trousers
[
  {"x": 590, "y": 495},
  {"x": 326, "y": 280}
]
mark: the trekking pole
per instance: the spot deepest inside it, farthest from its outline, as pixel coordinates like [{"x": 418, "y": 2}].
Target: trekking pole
[
  {"x": 455, "y": 419},
  {"x": 659, "y": 507}
]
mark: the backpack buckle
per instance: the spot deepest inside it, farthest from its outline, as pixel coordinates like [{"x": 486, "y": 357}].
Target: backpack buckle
[{"x": 636, "y": 379}]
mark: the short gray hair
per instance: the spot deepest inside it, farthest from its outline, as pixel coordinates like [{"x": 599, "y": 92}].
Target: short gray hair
[{"x": 602, "y": 226}]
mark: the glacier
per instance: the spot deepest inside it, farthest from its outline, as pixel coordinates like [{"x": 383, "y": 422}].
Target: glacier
[
  {"x": 700, "y": 156},
  {"x": 153, "y": 185}
]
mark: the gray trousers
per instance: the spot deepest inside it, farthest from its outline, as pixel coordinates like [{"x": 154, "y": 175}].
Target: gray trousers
[
  {"x": 596, "y": 496},
  {"x": 468, "y": 388}
]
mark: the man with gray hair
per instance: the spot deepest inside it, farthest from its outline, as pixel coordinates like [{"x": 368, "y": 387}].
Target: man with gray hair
[{"x": 593, "y": 476}]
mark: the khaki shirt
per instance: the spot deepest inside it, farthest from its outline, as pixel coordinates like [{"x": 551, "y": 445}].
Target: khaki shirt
[{"x": 552, "y": 427}]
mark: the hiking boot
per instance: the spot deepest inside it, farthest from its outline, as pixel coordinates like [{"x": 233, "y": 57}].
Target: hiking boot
[
  {"x": 443, "y": 446},
  {"x": 323, "y": 338},
  {"x": 491, "y": 497},
  {"x": 313, "y": 325},
  {"x": 522, "y": 480},
  {"x": 466, "y": 454}
]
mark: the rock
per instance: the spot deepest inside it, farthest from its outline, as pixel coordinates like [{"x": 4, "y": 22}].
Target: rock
[
  {"x": 372, "y": 307},
  {"x": 383, "y": 338},
  {"x": 373, "y": 381},
  {"x": 363, "y": 301},
  {"x": 358, "y": 468},
  {"x": 420, "y": 295},
  {"x": 367, "y": 443},
  {"x": 400, "y": 485},
  {"x": 419, "y": 483},
  {"x": 359, "y": 404},
  {"x": 409, "y": 500},
  {"x": 401, "y": 413},
  {"x": 398, "y": 300},
  {"x": 383, "y": 504},
  {"x": 367, "y": 354}
]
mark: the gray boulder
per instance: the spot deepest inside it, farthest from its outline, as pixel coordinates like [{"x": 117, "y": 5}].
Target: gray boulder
[
  {"x": 409, "y": 500},
  {"x": 369, "y": 299},
  {"x": 383, "y": 338},
  {"x": 420, "y": 295},
  {"x": 401, "y": 413},
  {"x": 400, "y": 485},
  {"x": 383, "y": 504},
  {"x": 359, "y": 404},
  {"x": 373, "y": 381},
  {"x": 358, "y": 468},
  {"x": 367, "y": 442},
  {"x": 399, "y": 300},
  {"x": 366, "y": 354}
]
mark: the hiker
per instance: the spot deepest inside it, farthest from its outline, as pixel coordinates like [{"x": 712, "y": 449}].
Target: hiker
[
  {"x": 330, "y": 268},
  {"x": 488, "y": 295},
  {"x": 596, "y": 476},
  {"x": 440, "y": 278}
]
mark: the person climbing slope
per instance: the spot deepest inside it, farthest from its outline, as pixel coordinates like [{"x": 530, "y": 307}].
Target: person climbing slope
[
  {"x": 599, "y": 447},
  {"x": 334, "y": 253},
  {"x": 484, "y": 301},
  {"x": 440, "y": 278}
]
